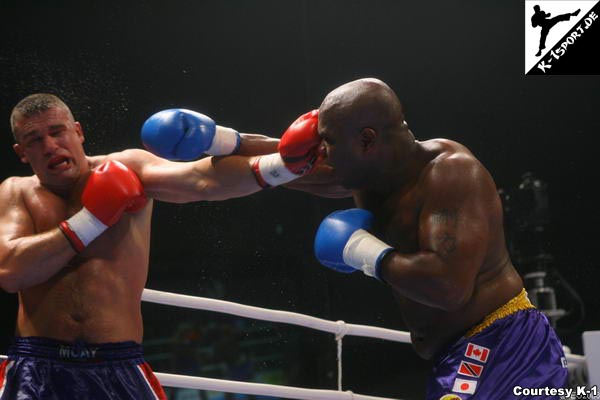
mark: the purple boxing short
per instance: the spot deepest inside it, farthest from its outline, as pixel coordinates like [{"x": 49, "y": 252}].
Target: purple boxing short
[
  {"x": 41, "y": 368},
  {"x": 514, "y": 346}
]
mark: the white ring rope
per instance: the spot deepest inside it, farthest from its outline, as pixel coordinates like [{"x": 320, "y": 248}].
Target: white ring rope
[
  {"x": 227, "y": 307},
  {"x": 338, "y": 338},
  {"x": 339, "y": 328},
  {"x": 258, "y": 389}
]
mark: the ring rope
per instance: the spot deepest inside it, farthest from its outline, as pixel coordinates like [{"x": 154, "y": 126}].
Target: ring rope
[
  {"x": 258, "y": 389},
  {"x": 339, "y": 328},
  {"x": 227, "y": 307},
  {"x": 338, "y": 338}
]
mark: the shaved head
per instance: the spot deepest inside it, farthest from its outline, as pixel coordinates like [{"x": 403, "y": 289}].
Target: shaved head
[
  {"x": 35, "y": 104},
  {"x": 364, "y": 133},
  {"x": 362, "y": 103}
]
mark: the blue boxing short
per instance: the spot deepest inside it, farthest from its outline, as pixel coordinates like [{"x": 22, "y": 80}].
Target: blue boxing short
[
  {"x": 513, "y": 346},
  {"x": 42, "y": 368}
]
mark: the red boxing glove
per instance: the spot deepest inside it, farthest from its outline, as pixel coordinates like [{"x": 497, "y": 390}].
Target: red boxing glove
[
  {"x": 298, "y": 152},
  {"x": 300, "y": 143},
  {"x": 111, "y": 190}
]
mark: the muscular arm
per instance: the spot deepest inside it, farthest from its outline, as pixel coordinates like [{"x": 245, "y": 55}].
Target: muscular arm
[
  {"x": 210, "y": 178},
  {"x": 321, "y": 182},
  {"x": 453, "y": 238},
  {"x": 26, "y": 258},
  {"x": 255, "y": 145}
]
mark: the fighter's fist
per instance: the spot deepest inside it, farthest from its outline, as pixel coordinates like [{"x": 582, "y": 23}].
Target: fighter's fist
[
  {"x": 179, "y": 134},
  {"x": 299, "y": 144},
  {"x": 298, "y": 152},
  {"x": 111, "y": 190},
  {"x": 343, "y": 243}
]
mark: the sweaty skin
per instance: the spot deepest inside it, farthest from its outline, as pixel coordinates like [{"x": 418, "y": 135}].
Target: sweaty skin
[
  {"x": 434, "y": 202},
  {"x": 95, "y": 296}
]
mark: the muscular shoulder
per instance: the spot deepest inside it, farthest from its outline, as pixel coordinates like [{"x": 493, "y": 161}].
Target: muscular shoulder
[
  {"x": 455, "y": 170},
  {"x": 135, "y": 159},
  {"x": 14, "y": 192},
  {"x": 15, "y": 186}
]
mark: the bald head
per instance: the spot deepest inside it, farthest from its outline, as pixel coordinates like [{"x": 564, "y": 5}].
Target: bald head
[
  {"x": 364, "y": 134},
  {"x": 362, "y": 103}
]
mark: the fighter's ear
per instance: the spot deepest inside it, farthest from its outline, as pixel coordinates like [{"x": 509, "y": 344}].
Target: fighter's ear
[
  {"x": 20, "y": 153},
  {"x": 367, "y": 137},
  {"x": 79, "y": 131}
]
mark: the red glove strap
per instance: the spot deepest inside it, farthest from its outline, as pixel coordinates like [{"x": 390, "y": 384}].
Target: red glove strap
[
  {"x": 257, "y": 175},
  {"x": 77, "y": 244}
]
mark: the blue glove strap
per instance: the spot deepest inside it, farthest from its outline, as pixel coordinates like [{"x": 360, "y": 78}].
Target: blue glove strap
[
  {"x": 377, "y": 274},
  {"x": 238, "y": 143}
]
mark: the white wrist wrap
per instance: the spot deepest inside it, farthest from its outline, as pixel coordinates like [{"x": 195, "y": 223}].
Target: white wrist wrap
[
  {"x": 225, "y": 142},
  {"x": 86, "y": 226},
  {"x": 362, "y": 251},
  {"x": 273, "y": 171}
]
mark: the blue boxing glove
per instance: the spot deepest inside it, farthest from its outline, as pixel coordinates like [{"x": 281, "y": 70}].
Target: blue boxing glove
[
  {"x": 179, "y": 134},
  {"x": 343, "y": 243}
]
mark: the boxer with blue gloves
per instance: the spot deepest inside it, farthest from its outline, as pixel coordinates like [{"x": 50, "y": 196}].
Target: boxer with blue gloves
[{"x": 430, "y": 227}]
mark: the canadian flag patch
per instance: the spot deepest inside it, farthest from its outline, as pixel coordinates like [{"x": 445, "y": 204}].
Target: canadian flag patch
[
  {"x": 464, "y": 386},
  {"x": 477, "y": 352},
  {"x": 470, "y": 369}
]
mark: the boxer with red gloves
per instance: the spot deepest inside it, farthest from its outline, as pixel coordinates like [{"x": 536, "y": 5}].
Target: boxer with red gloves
[{"x": 75, "y": 238}]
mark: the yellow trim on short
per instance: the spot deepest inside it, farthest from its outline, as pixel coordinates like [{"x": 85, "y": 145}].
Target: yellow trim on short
[{"x": 517, "y": 303}]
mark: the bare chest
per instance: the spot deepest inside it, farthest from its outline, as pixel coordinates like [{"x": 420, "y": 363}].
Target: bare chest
[
  {"x": 47, "y": 210},
  {"x": 397, "y": 220},
  {"x": 126, "y": 242}
]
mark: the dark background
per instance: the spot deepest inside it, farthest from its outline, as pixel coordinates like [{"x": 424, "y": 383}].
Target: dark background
[{"x": 256, "y": 65}]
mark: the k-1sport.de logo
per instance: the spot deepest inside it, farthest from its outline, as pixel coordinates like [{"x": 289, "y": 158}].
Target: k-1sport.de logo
[{"x": 562, "y": 37}]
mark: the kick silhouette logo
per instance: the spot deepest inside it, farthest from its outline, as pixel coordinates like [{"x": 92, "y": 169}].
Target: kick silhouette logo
[{"x": 562, "y": 37}]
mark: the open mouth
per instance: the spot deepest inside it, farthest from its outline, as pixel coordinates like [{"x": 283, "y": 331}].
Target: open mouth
[{"x": 58, "y": 163}]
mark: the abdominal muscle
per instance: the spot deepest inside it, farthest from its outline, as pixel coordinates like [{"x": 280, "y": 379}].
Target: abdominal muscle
[{"x": 96, "y": 298}]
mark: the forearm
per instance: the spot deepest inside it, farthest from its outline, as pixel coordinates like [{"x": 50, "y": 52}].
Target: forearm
[
  {"x": 423, "y": 277},
  {"x": 32, "y": 260},
  {"x": 255, "y": 145},
  {"x": 230, "y": 177},
  {"x": 321, "y": 182},
  {"x": 208, "y": 179}
]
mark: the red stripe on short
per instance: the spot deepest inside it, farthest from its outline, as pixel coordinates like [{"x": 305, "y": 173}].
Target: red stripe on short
[
  {"x": 4, "y": 367},
  {"x": 153, "y": 381}
]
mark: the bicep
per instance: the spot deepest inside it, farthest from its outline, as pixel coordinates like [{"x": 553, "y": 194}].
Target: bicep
[
  {"x": 210, "y": 178},
  {"x": 15, "y": 220},
  {"x": 453, "y": 232},
  {"x": 455, "y": 227},
  {"x": 163, "y": 179},
  {"x": 174, "y": 181}
]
